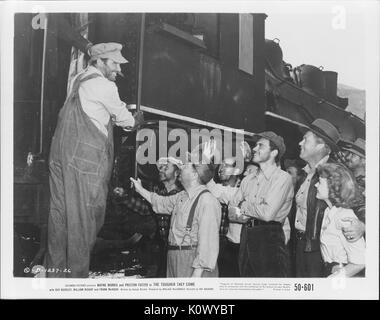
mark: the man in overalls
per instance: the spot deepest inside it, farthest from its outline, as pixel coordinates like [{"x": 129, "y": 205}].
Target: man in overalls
[
  {"x": 195, "y": 220},
  {"x": 80, "y": 162}
]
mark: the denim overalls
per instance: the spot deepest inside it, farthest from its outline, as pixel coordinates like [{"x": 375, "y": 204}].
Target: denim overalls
[{"x": 80, "y": 165}]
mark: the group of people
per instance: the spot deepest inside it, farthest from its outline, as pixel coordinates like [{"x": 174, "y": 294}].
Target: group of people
[
  {"x": 303, "y": 222},
  {"x": 264, "y": 222}
]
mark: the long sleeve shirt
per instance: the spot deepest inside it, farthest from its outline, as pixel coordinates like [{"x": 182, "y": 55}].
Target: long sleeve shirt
[
  {"x": 225, "y": 194},
  {"x": 205, "y": 227},
  {"x": 266, "y": 195},
  {"x": 100, "y": 101}
]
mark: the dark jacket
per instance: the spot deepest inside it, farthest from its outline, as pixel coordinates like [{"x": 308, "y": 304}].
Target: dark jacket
[{"x": 315, "y": 212}]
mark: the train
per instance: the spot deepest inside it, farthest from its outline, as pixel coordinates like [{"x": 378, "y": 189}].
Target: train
[{"x": 191, "y": 70}]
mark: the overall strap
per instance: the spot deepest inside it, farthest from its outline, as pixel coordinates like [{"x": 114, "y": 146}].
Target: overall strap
[
  {"x": 89, "y": 77},
  {"x": 190, "y": 219},
  {"x": 78, "y": 81}
]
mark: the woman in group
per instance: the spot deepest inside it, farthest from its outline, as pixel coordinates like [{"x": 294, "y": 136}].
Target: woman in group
[{"x": 338, "y": 189}]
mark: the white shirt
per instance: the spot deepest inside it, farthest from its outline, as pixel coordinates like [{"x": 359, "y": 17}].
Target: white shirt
[
  {"x": 301, "y": 196},
  {"x": 225, "y": 194},
  {"x": 100, "y": 100},
  {"x": 334, "y": 245}
]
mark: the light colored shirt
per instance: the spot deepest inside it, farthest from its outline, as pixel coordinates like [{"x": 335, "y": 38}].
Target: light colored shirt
[
  {"x": 225, "y": 194},
  {"x": 205, "y": 227},
  {"x": 301, "y": 196},
  {"x": 100, "y": 101},
  {"x": 334, "y": 245},
  {"x": 266, "y": 195}
]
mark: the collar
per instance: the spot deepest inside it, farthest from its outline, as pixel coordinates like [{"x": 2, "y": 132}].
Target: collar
[
  {"x": 268, "y": 172},
  {"x": 331, "y": 210},
  {"x": 194, "y": 191},
  {"x": 309, "y": 170},
  {"x": 92, "y": 69}
]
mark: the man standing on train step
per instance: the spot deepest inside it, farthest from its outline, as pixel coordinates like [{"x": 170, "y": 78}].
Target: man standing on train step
[{"x": 81, "y": 159}]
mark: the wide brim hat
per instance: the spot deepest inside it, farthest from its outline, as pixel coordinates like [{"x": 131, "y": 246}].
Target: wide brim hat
[
  {"x": 325, "y": 130},
  {"x": 357, "y": 147},
  {"x": 110, "y": 50},
  {"x": 276, "y": 139}
]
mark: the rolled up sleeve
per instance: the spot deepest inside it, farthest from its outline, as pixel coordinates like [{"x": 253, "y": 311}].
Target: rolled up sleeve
[
  {"x": 117, "y": 108},
  {"x": 223, "y": 193},
  {"x": 164, "y": 204},
  {"x": 355, "y": 250},
  {"x": 208, "y": 233}
]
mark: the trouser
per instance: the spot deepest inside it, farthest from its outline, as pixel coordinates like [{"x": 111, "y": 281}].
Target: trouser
[
  {"x": 180, "y": 264},
  {"x": 263, "y": 252},
  {"x": 228, "y": 259},
  {"x": 77, "y": 210},
  {"x": 162, "y": 258},
  {"x": 308, "y": 264}
]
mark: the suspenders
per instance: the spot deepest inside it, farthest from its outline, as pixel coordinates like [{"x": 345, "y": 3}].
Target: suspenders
[{"x": 190, "y": 219}]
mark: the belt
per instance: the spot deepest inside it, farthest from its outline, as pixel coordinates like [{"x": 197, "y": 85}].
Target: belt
[
  {"x": 170, "y": 247},
  {"x": 256, "y": 222}
]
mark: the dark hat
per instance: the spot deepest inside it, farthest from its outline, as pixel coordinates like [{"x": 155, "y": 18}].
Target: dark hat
[
  {"x": 205, "y": 171},
  {"x": 357, "y": 147},
  {"x": 325, "y": 130},
  {"x": 276, "y": 139}
]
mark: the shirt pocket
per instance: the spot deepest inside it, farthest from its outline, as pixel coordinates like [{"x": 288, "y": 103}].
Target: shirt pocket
[{"x": 87, "y": 158}]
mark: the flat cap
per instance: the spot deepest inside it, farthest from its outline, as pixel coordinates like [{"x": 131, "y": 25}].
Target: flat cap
[
  {"x": 110, "y": 50},
  {"x": 276, "y": 139},
  {"x": 165, "y": 160}
]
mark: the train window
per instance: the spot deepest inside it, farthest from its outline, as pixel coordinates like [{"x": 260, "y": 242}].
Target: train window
[
  {"x": 206, "y": 27},
  {"x": 203, "y": 26},
  {"x": 246, "y": 42}
]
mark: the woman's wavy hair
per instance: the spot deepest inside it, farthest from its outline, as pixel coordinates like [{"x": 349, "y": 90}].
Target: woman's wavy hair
[{"x": 343, "y": 189}]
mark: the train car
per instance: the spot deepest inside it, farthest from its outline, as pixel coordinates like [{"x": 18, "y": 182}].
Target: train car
[{"x": 190, "y": 70}]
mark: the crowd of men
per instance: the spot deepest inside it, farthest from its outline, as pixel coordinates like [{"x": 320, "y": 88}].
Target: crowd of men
[
  {"x": 295, "y": 218},
  {"x": 273, "y": 223}
]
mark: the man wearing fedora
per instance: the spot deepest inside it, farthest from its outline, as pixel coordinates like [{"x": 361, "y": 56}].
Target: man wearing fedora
[
  {"x": 193, "y": 244},
  {"x": 317, "y": 144},
  {"x": 262, "y": 203},
  {"x": 80, "y": 161},
  {"x": 355, "y": 161}
]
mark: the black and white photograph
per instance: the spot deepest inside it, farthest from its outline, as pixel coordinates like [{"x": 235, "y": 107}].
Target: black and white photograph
[{"x": 203, "y": 149}]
